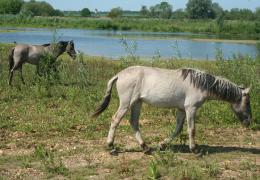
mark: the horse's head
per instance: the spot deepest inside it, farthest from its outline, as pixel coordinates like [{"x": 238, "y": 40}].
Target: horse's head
[
  {"x": 71, "y": 50},
  {"x": 242, "y": 108}
]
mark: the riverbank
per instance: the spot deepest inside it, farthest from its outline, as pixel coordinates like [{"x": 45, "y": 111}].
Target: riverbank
[{"x": 233, "y": 29}]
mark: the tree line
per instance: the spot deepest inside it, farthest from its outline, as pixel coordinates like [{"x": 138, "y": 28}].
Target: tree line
[
  {"x": 31, "y": 8},
  {"x": 195, "y": 9},
  {"x": 198, "y": 9}
]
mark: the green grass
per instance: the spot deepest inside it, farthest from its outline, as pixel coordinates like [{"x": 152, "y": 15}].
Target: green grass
[
  {"x": 46, "y": 131},
  {"x": 232, "y": 29}
]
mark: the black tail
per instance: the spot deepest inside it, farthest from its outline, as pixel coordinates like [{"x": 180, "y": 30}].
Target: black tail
[
  {"x": 11, "y": 59},
  {"x": 106, "y": 99}
]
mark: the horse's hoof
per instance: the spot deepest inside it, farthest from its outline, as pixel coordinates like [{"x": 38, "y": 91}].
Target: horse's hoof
[
  {"x": 113, "y": 152},
  {"x": 194, "y": 150},
  {"x": 148, "y": 151},
  {"x": 162, "y": 146}
]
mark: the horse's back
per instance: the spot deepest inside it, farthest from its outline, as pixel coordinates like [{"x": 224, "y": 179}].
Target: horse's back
[
  {"x": 21, "y": 52},
  {"x": 28, "y": 53},
  {"x": 155, "y": 86}
]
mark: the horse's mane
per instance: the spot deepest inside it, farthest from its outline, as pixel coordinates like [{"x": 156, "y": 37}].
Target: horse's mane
[
  {"x": 60, "y": 42},
  {"x": 215, "y": 85},
  {"x": 45, "y": 45}
]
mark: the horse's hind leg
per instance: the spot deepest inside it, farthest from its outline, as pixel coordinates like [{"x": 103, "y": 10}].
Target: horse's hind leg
[
  {"x": 179, "y": 125},
  {"x": 134, "y": 121},
  {"x": 115, "y": 122},
  {"x": 17, "y": 65}
]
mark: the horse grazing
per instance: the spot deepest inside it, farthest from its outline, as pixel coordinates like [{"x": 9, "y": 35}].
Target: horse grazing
[
  {"x": 184, "y": 89},
  {"x": 33, "y": 54}
]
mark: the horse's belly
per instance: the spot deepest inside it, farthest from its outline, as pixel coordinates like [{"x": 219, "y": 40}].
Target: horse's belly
[
  {"x": 33, "y": 60},
  {"x": 164, "y": 101}
]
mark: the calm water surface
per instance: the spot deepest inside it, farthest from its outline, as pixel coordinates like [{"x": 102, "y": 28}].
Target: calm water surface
[{"x": 109, "y": 43}]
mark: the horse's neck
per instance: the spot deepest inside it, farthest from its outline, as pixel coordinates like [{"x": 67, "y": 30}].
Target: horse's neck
[
  {"x": 54, "y": 51},
  {"x": 222, "y": 97}
]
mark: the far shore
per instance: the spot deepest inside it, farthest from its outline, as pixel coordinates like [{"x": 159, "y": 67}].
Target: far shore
[
  {"x": 200, "y": 39},
  {"x": 227, "y": 41}
]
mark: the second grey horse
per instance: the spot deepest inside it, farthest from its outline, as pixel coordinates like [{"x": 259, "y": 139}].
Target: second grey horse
[
  {"x": 23, "y": 53},
  {"x": 184, "y": 89}
]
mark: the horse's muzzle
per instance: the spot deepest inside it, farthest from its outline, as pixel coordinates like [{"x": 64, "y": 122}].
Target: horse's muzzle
[{"x": 246, "y": 122}]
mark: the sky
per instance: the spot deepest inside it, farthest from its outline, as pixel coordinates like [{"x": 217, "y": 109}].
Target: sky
[{"x": 106, "y": 5}]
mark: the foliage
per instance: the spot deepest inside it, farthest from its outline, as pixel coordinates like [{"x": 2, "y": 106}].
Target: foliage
[
  {"x": 35, "y": 8},
  {"x": 179, "y": 14},
  {"x": 200, "y": 9},
  {"x": 153, "y": 171},
  {"x": 57, "y": 12},
  {"x": 245, "y": 29},
  {"x": 220, "y": 21},
  {"x": 257, "y": 13},
  {"x": 217, "y": 10},
  {"x": 85, "y": 12},
  {"x": 242, "y": 14},
  {"x": 49, "y": 161},
  {"x": 48, "y": 67},
  {"x": 162, "y": 10},
  {"x": 144, "y": 12},
  {"x": 115, "y": 12},
  {"x": 10, "y": 6}
]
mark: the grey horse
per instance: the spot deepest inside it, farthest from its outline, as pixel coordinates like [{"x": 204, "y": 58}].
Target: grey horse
[
  {"x": 23, "y": 53},
  {"x": 184, "y": 89}
]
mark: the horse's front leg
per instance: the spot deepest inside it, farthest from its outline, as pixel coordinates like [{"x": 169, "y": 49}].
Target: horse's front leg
[
  {"x": 21, "y": 74},
  {"x": 190, "y": 114},
  {"x": 134, "y": 121},
  {"x": 10, "y": 77},
  {"x": 180, "y": 116}
]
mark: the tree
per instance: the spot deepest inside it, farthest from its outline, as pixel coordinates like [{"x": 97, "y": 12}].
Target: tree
[
  {"x": 257, "y": 13},
  {"x": 57, "y": 12},
  {"x": 115, "y": 12},
  {"x": 244, "y": 14},
  {"x": 85, "y": 12},
  {"x": 179, "y": 14},
  {"x": 35, "y": 8},
  {"x": 144, "y": 11},
  {"x": 162, "y": 10},
  {"x": 10, "y": 6},
  {"x": 200, "y": 9},
  {"x": 220, "y": 21},
  {"x": 217, "y": 10}
]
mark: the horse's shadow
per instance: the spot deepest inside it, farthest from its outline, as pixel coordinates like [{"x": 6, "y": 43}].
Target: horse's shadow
[
  {"x": 207, "y": 149},
  {"x": 201, "y": 149}
]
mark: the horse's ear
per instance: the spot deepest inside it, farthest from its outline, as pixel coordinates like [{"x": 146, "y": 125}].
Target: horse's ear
[
  {"x": 241, "y": 86},
  {"x": 246, "y": 90}
]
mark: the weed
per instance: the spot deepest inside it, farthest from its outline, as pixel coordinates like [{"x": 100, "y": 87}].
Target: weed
[
  {"x": 213, "y": 169},
  {"x": 50, "y": 163},
  {"x": 153, "y": 171},
  {"x": 248, "y": 165}
]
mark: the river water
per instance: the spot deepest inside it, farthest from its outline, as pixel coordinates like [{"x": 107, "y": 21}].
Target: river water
[{"x": 115, "y": 44}]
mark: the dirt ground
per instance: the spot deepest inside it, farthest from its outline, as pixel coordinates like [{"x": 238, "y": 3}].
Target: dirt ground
[{"x": 236, "y": 151}]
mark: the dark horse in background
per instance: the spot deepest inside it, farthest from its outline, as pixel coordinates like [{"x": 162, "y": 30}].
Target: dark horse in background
[{"x": 23, "y": 53}]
